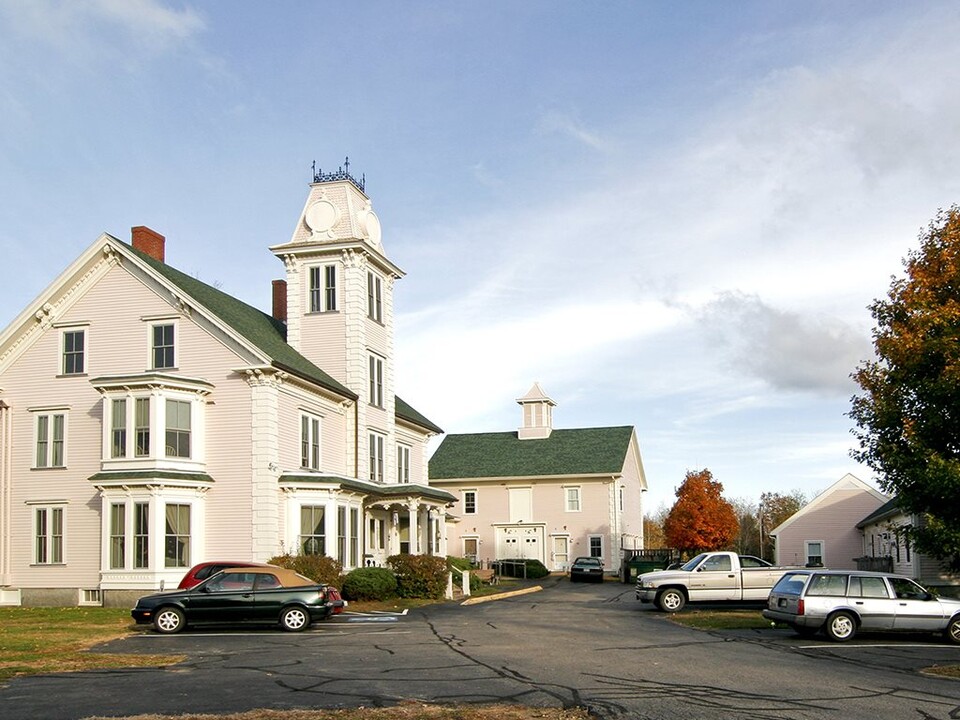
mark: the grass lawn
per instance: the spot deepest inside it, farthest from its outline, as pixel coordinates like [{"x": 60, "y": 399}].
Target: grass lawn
[
  {"x": 721, "y": 619},
  {"x": 49, "y": 640}
]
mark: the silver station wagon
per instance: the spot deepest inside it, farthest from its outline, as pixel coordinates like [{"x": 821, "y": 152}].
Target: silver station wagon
[{"x": 844, "y": 602}]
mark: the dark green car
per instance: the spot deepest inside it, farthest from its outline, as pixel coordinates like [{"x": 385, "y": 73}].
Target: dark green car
[{"x": 242, "y": 595}]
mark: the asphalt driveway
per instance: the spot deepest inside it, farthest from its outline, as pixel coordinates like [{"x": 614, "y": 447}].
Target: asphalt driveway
[{"x": 570, "y": 644}]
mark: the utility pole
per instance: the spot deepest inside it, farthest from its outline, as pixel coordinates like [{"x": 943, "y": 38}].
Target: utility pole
[{"x": 760, "y": 518}]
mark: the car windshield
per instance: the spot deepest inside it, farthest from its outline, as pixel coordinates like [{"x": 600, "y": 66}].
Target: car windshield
[{"x": 691, "y": 564}]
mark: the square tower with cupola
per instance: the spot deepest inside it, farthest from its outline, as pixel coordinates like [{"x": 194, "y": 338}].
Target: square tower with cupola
[{"x": 339, "y": 308}]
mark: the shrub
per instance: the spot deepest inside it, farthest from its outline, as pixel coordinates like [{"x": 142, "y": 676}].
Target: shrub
[
  {"x": 463, "y": 564},
  {"x": 370, "y": 583},
  {"x": 319, "y": 568},
  {"x": 419, "y": 576}
]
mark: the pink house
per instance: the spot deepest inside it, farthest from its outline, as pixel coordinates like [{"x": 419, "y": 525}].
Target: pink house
[
  {"x": 149, "y": 421},
  {"x": 824, "y": 531},
  {"x": 542, "y": 493}
]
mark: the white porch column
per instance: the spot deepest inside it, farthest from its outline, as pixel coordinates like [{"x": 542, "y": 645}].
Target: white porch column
[
  {"x": 414, "y": 532},
  {"x": 441, "y": 521}
]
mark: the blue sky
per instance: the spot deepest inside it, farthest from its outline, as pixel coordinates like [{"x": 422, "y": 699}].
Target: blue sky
[{"x": 671, "y": 215}]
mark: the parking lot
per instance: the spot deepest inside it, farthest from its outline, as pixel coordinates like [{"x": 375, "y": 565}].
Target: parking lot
[{"x": 570, "y": 644}]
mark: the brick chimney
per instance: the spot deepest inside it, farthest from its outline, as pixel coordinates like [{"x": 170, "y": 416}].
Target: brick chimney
[
  {"x": 148, "y": 241},
  {"x": 280, "y": 300}
]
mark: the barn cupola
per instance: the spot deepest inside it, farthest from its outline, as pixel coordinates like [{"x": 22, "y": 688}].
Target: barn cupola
[{"x": 537, "y": 414}]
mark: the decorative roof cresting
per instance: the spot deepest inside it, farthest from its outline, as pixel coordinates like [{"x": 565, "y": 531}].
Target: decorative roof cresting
[{"x": 342, "y": 173}]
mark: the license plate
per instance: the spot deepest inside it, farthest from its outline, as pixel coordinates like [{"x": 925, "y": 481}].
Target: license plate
[{"x": 782, "y": 602}]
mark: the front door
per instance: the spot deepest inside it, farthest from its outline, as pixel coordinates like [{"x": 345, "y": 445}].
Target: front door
[{"x": 560, "y": 554}]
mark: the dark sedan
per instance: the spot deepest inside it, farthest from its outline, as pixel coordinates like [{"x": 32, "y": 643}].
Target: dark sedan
[
  {"x": 586, "y": 568},
  {"x": 242, "y": 595}
]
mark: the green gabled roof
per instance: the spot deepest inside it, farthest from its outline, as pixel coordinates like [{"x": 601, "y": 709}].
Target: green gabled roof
[
  {"x": 403, "y": 410},
  {"x": 584, "y": 451},
  {"x": 262, "y": 331},
  {"x": 888, "y": 509}
]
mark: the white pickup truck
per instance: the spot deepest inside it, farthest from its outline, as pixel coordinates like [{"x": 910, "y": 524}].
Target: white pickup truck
[{"x": 709, "y": 577}]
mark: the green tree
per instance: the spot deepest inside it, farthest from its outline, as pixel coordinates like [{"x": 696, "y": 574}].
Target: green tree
[
  {"x": 908, "y": 414},
  {"x": 700, "y": 519}
]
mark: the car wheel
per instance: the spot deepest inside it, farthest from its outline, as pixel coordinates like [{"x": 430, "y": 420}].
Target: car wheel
[
  {"x": 953, "y": 630},
  {"x": 841, "y": 626},
  {"x": 294, "y": 619},
  {"x": 671, "y": 600},
  {"x": 169, "y": 620}
]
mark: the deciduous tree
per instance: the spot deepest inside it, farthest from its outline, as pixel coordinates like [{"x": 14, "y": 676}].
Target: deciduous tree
[
  {"x": 700, "y": 519},
  {"x": 653, "y": 537},
  {"x": 908, "y": 414},
  {"x": 775, "y": 509}
]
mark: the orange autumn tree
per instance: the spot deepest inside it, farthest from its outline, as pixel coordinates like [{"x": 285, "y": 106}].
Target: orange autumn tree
[{"x": 700, "y": 519}]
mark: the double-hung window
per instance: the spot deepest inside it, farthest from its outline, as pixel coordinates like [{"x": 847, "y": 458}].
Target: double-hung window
[
  {"x": 375, "y": 373},
  {"x": 177, "y": 536},
  {"x": 403, "y": 464},
  {"x": 313, "y": 538},
  {"x": 469, "y": 502},
  {"x": 141, "y": 426},
  {"x": 310, "y": 442},
  {"x": 323, "y": 288},
  {"x": 48, "y": 535},
  {"x": 178, "y": 429},
  {"x": 342, "y": 534},
  {"x": 118, "y": 536},
  {"x": 354, "y": 537},
  {"x": 162, "y": 339},
  {"x": 596, "y": 546},
  {"x": 118, "y": 428},
  {"x": 374, "y": 296},
  {"x": 141, "y": 535},
  {"x": 73, "y": 352},
  {"x": 51, "y": 432},
  {"x": 572, "y": 499},
  {"x": 375, "y": 441}
]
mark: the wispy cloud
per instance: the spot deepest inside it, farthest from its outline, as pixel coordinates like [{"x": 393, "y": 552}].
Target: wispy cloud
[
  {"x": 566, "y": 125},
  {"x": 85, "y": 23}
]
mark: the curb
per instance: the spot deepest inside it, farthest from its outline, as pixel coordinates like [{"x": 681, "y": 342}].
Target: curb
[{"x": 501, "y": 596}]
